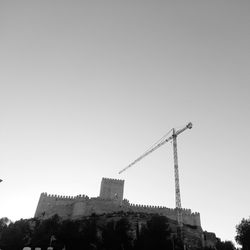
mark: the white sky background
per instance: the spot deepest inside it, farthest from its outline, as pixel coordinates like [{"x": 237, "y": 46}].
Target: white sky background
[{"x": 87, "y": 86}]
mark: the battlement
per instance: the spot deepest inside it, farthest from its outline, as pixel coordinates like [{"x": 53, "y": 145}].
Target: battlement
[
  {"x": 185, "y": 211},
  {"x": 147, "y": 206},
  {"x": 63, "y": 197},
  {"x": 54, "y": 196},
  {"x": 81, "y": 197},
  {"x": 111, "y": 180},
  {"x": 100, "y": 199}
]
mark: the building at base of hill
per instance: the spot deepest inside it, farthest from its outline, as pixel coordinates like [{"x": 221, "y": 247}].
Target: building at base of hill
[{"x": 110, "y": 200}]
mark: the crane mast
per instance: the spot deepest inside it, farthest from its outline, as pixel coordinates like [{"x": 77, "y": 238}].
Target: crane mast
[
  {"x": 176, "y": 170},
  {"x": 177, "y": 181}
]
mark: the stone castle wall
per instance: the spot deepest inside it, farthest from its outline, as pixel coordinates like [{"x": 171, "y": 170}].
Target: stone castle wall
[
  {"x": 110, "y": 200},
  {"x": 187, "y": 215},
  {"x": 75, "y": 207}
]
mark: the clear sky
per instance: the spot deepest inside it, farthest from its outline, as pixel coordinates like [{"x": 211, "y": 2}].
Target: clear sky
[{"x": 87, "y": 86}]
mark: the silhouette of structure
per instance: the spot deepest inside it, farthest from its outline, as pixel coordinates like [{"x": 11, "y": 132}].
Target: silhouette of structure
[{"x": 110, "y": 200}]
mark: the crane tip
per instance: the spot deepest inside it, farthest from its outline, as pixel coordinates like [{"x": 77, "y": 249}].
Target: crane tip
[{"x": 190, "y": 125}]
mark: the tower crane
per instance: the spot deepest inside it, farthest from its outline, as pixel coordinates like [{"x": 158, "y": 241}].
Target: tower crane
[{"x": 173, "y": 138}]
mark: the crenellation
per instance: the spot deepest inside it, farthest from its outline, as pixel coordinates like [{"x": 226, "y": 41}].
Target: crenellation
[
  {"x": 186, "y": 211},
  {"x": 113, "y": 180}
]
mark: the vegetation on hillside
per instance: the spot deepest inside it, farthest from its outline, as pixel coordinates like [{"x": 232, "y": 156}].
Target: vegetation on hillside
[
  {"x": 107, "y": 232},
  {"x": 86, "y": 234}
]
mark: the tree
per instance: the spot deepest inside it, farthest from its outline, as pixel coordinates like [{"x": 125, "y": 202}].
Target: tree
[
  {"x": 154, "y": 235},
  {"x": 44, "y": 230},
  {"x": 70, "y": 235},
  {"x": 243, "y": 234},
  {"x": 16, "y": 235},
  {"x": 4, "y": 222},
  {"x": 116, "y": 235},
  {"x": 123, "y": 228},
  {"x": 225, "y": 245}
]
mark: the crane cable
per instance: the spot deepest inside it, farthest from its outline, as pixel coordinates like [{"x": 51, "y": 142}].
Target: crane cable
[{"x": 163, "y": 138}]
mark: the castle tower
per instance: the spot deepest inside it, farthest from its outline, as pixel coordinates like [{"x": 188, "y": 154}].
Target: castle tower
[{"x": 112, "y": 189}]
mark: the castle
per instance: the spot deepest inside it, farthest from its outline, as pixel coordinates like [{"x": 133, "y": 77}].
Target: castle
[{"x": 110, "y": 200}]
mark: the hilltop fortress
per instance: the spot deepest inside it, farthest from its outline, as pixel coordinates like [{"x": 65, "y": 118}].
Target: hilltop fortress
[{"x": 110, "y": 200}]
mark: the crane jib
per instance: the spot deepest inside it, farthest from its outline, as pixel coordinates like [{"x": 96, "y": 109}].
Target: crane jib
[{"x": 175, "y": 134}]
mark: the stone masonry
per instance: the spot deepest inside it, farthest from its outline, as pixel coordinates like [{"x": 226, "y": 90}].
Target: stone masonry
[{"x": 110, "y": 200}]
